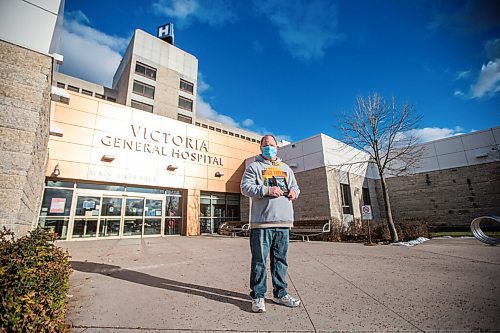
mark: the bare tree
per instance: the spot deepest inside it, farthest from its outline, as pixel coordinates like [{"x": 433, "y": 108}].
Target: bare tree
[{"x": 385, "y": 131}]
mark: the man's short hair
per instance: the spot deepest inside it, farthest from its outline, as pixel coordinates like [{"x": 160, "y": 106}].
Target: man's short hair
[{"x": 266, "y": 135}]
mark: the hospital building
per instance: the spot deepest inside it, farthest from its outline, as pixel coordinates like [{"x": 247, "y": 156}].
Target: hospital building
[{"x": 135, "y": 159}]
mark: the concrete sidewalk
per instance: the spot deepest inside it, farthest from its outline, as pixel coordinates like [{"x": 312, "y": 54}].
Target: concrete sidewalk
[{"x": 201, "y": 284}]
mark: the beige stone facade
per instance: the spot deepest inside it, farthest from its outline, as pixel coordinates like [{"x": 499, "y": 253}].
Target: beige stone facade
[
  {"x": 25, "y": 83},
  {"x": 142, "y": 148}
]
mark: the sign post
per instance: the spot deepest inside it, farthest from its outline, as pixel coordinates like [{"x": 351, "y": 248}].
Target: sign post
[{"x": 366, "y": 214}]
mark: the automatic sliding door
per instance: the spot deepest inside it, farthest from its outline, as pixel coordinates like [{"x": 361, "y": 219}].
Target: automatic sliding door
[
  {"x": 86, "y": 216},
  {"x": 111, "y": 211},
  {"x": 134, "y": 217},
  {"x": 154, "y": 211}
]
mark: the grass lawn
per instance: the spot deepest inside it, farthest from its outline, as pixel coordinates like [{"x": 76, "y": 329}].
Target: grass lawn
[{"x": 495, "y": 234}]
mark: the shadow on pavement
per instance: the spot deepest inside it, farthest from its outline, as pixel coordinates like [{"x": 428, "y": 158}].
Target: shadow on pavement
[{"x": 220, "y": 295}]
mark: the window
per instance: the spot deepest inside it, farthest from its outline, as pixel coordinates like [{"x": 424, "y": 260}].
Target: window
[
  {"x": 87, "y": 92},
  {"x": 211, "y": 128},
  {"x": 346, "y": 198},
  {"x": 141, "y": 106},
  {"x": 184, "y": 118},
  {"x": 216, "y": 208},
  {"x": 218, "y": 130},
  {"x": 197, "y": 123},
  {"x": 73, "y": 88},
  {"x": 366, "y": 196},
  {"x": 185, "y": 103},
  {"x": 237, "y": 135},
  {"x": 61, "y": 85},
  {"x": 231, "y": 133},
  {"x": 204, "y": 125},
  {"x": 187, "y": 86},
  {"x": 224, "y": 132},
  {"x": 99, "y": 96},
  {"x": 143, "y": 89},
  {"x": 145, "y": 70},
  {"x": 253, "y": 140},
  {"x": 111, "y": 99}
]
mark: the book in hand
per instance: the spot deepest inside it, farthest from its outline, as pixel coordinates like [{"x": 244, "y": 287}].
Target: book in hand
[{"x": 281, "y": 183}]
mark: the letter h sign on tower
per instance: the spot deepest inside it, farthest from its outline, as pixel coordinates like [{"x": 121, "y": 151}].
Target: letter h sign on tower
[{"x": 166, "y": 33}]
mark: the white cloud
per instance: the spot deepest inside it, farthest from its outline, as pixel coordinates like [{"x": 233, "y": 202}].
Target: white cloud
[
  {"x": 488, "y": 81},
  {"x": 307, "y": 28},
  {"x": 88, "y": 53},
  {"x": 248, "y": 122},
  {"x": 205, "y": 110},
  {"x": 203, "y": 86},
  {"x": 462, "y": 75},
  {"x": 427, "y": 134},
  {"x": 211, "y": 12}
]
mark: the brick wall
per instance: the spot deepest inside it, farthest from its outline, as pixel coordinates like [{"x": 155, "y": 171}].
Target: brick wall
[
  {"x": 25, "y": 80},
  {"x": 314, "y": 201},
  {"x": 452, "y": 197}
]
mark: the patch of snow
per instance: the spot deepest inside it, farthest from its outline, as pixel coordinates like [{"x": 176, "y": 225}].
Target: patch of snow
[{"x": 414, "y": 242}]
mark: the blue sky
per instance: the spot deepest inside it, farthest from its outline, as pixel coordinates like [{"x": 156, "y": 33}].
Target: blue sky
[{"x": 293, "y": 68}]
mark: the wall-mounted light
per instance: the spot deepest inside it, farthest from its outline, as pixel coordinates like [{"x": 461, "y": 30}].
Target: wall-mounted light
[
  {"x": 172, "y": 167},
  {"x": 293, "y": 165},
  {"x": 54, "y": 131},
  {"x": 56, "y": 171},
  {"x": 219, "y": 174},
  {"x": 356, "y": 191},
  {"x": 107, "y": 158},
  {"x": 482, "y": 155}
]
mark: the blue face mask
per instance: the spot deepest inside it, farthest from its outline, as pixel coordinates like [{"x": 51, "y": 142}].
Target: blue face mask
[{"x": 269, "y": 152}]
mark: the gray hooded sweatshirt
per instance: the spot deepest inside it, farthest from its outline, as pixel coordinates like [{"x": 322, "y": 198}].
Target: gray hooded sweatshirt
[{"x": 267, "y": 211}]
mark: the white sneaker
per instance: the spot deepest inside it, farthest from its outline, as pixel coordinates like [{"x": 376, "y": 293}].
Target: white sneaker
[
  {"x": 287, "y": 300},
  {"x": 258, "y": 305}
]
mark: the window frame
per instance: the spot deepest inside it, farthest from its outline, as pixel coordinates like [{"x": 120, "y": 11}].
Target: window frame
[
  {"x": 146, "y": 67},
  {"x": 143, "y": 86},
  {"x": 189, "y": 84},
  {"x": 141, "y": 103},
  {"x": 184, "y": 108},
  {"x": 180, "y": 115}
]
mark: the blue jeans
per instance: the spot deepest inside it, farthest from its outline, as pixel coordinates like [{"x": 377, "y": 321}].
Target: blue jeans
[{"x": 263, "y": 241}]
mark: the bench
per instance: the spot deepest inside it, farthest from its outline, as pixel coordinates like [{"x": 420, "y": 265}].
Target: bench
[
  {"x": 307, "y": 228},
  {"x": 233, "y": 228}
]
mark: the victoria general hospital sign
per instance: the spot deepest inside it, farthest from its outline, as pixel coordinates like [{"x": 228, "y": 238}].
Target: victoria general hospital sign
[{"x": 161, "y": 143}]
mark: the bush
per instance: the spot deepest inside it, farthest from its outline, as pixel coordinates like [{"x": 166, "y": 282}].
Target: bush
[
  {"x": 357, "y": 231},
  {"x": 34, "y": 281}
]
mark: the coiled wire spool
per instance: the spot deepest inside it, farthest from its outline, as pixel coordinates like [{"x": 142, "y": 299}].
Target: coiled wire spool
[{"x": 479, "y": 234}]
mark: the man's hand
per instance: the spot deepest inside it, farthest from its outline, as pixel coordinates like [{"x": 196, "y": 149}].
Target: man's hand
[
  {"x": 275, "y": 191},
  {"x": 292, "y": 195}
]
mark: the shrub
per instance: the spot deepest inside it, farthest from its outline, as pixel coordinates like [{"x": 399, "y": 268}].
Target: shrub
[
  {"x": 34, "y": 280},
  {"x": 357, "y": 230}
]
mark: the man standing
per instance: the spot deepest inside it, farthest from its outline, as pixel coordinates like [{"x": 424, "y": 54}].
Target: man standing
[{"x": 271, "y": 186}]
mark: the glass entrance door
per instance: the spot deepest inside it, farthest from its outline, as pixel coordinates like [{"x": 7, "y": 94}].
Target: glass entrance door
[
  {"x": 111, "y": 216},
  {"x": 133, "y": 220},
  {"x": 86, "y": 216}
]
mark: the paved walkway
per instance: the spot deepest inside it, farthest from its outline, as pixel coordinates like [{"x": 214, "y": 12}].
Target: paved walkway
[{"x": 190, "y": 284}]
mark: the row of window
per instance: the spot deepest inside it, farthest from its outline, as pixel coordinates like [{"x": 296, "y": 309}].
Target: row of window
[
  {"x": 85, "y": 92},
  {"x": 150, "y": 73},
  {"x": 223, "y": 131},
  {"x": 146, "y": 90}
]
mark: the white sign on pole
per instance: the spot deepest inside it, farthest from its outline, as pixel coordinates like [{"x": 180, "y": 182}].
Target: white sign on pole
[{"x": 366, "y": 212}]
